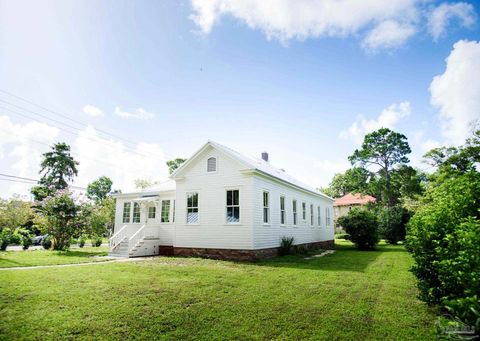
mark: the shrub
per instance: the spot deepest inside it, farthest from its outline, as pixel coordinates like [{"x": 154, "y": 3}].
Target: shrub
[
  {"x": 300, "y": 249},
  {"x": 444, "y": 239},
  {"x": 81, "y": 241},
  {"x": 96, "y": 241},
  {"x": 286, "y": 246},
  {"x": 391, "y": 223},
  {"x": 47, "y": 242},
  {"x": 25, "y": 238},
  {"x": 4, "y": 239},
  {"x": 361, "y": 226}
]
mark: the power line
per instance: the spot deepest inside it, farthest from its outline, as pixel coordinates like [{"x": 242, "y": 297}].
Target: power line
[
  {"x": 76, "y": 133},
  {"x": 66, "y": 117},
  {"x": 30, "y": 179},
  {"x": 62, "y": 115},
  {"x": 73, "y": 153}
]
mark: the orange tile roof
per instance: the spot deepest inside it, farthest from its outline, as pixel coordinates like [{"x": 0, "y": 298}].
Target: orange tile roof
[{"x": 353, "y": 199}]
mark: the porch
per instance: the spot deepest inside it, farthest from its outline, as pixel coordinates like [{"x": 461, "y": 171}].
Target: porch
[{"x": 146, "y": 229}]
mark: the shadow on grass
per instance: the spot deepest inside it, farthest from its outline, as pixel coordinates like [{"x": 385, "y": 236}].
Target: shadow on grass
[{"x": 346, "y": 258}]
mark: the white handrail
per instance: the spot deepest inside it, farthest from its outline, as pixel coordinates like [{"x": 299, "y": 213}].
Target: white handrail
[
  {"x": 118, "y": 237},
  {"x": 137, "y": 236}
]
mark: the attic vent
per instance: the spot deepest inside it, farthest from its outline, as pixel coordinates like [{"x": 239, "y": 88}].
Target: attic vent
[{"x": 211, "y": 164}]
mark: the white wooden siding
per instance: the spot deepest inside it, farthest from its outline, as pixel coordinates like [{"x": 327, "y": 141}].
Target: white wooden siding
[
  {"x": 269, "y": 235},
  {"x": 212, "y": 230}
]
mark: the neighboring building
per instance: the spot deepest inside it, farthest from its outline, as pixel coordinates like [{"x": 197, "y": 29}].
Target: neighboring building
[
  {"x": 345, "y": 204},
  {"x": 222, "y": 204}
]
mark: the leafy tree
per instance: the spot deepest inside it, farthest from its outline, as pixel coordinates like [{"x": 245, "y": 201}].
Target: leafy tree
[
  {"x": 64, "y": 218},
  {"x": 15, "y": 214},
  {"x": 361, "y": 226},
  {"x": 354, "y": 180},
  {"x": 174, "y": 164},
  {"x": 391, "y": 223},
  {"x": 99, "y": 189},
  {"x": 58, "y": 168},
  {"x": 384, "y": 149}
]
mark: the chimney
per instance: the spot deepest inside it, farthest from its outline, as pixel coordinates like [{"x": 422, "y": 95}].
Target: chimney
[{"x": 265, "y": 156}]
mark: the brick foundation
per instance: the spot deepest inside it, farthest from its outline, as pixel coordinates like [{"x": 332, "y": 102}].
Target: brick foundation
[
  {"x": 242, "y": 255},
  {"x": 165, "y": 250}
]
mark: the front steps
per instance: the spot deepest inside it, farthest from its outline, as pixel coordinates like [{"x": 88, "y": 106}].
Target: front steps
[{"x": 148, "y": 246}]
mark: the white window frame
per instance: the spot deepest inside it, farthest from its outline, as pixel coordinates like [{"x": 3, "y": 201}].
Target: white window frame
[
  {"x": 283, "y": 212},
  {"x": 136, "y": 204},
  {"x": 267, "y": 208},
  {"x": 193, "y": 207},
  {"x": 304, "y": 211},
  {"x": 128, "y": 220},
  {"x": 327, "y": 216},
  {"x": 227, "y": 206},
  {"x": 154, "y": 212},
  {"x": 216, "y": 164},
  {"x": 319, "y": 217},
  {"x": 312, "y": 218},
  {"x": 294, "y": 212},
  {"x": 161, "y": 211}
]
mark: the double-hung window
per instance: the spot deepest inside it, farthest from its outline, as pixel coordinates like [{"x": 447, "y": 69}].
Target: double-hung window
[
  {"x": 327, "y": 216},
  {"x": 319, "y": 216},
  {"x": 266, "y": 207},
  {"x": 294, "y": 210},
  {"x": 311, "y": 215},
  {"x": 126, "y": 212},
  {"x": 192, "y": 208},
  {"x": 152, "y": 212},
  {"x": 233, "y": 206},
  {"x": 136, "y": 213},
  {"x": 165, "y": 211},
  {"x": 282, "y": 210},
  {"x": 304, "y": 211}
]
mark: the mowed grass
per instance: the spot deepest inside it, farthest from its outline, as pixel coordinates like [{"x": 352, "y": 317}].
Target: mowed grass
[
  {"x": 9, "y": 259},
  {"x": 349, "y": 295}
]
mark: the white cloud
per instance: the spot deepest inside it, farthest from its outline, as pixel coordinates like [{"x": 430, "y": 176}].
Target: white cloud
[
  {"x": 380, "y": 24},
  {"x": 139, "y": 113},
  {"x": 21, "y": 147},
  {"x": 441, "y": 16},
  {"x": 388, "y": 118},
  {"x": 99, "y": 156},
  {"x": 388, "y": 34},
  {"x": 92, "y": 111},
  {"x": 456, "y": 91}
]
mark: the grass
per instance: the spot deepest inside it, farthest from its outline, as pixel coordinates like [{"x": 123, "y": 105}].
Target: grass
[
  {"x": 349, "y": 295},
  {"x": 9, "y": 259}
]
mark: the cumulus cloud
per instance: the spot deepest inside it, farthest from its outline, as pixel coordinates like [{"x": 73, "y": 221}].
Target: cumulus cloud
[
  {"x": 388, "y": 34},
  {"x": 456, "y": 91},
  {"x": 22, "y": 146},
  {"x": 93, "y": 111},
  {"x": 441, "y": 16},
  {"x": 139, "y": 114},
  {"x": 388, "y": 118},
  {"x": 99, "y": 156},
  {"x": 382, "y": 24}
]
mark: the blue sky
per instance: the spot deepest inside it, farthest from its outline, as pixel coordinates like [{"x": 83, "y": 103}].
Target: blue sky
[{"x": 288, "y": 77}]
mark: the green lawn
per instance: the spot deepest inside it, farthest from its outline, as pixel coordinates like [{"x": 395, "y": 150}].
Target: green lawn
[
  {"x": 9, "y": 259},
  {"x": 350, "y": 295}
]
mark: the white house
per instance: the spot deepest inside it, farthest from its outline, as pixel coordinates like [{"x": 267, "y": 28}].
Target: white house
[{"x": 222, "y": 204}]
